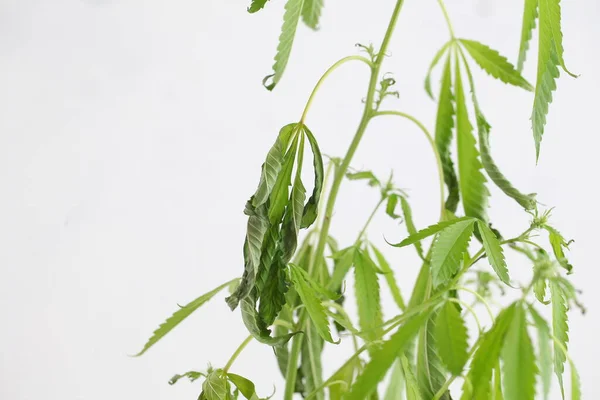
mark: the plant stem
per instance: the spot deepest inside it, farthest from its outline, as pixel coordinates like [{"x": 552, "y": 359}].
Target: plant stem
[
  {"x": 237, "y": 353},
  {"x": 447, "y": 18},
  {"x": 433, "y": 148},
  {"x": 335, "y": 187},
  {"x": 324, "y": 77},
  {"x": 364, "y": 229}
]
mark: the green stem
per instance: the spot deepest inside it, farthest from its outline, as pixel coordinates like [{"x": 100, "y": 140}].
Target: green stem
[
  {"x": 337, "y": 181},
  {"x": 292, "y": 367},
  {"x": 433, "y": 148},
  {"x": 324, "y": 77},
  {"x": 364, "y": 229},
  {"x": 447, "y": 18},
  {"x": 237, "y": 353}
]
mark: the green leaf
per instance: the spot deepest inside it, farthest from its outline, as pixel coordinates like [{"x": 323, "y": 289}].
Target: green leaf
[
  {"x": 412, "y": 387},
  {"x": 527, "y": 201},
  {"x": 180, "y": 315},
  {"x": 560, "y": 330},
  {"x": 191, "y": 375},
  {"x": 311, "y": 13},
  {"x": 552, "y": 14},
  {"x": 255, "y": 325},
  {"x": 244, "y": 385},
  {"x": 366, "y": 287},
  {"x": 443, "y": 137},
  {"x": 280, "y": 193},
  {"x": 395, "y": 389},
  {"x": 383, "y": 358},
  {"x": 471, "y": 180},
  {"x": 547, "y": 69},
  {"x": 431, "y": 230},
  {"x": 544, "y": 351},
  {"x": 364, "y": 175},
  {"x": 451, "y": 338},
  {"x": 529, "y": 17},
  {"x": 448, "y": 249},
  {"x": 272, "y": 165},
  {"x": 389, "y": 277},
  {"x": 520, "y": 369},
  {"x": 310, "y": 210},
  {"x": 291, "y": 17},
  {"x": 256, "y": 231},
  {"x": 311, "y": 367},
  {"x": 575, "y": 384},
  {"x": 216, "y": 387},
  {"x": 434, "y": 62},
  {"x": 410, "y": 225},
  {"x": 494, "y": 252},
  {"x": 257, "y": 5},
  {"x": 311, "y": 303},
  {"x": 497, "y": 389},
  {"x": 292, "y": 219},
  {"x": 344, "y": 259},
  {"x": 487, "y": 355},
  {"x": 495, "y": 64},
  {"x": 390, "y": 207},
  {"x": 344, "y": 377},
  {"x": 272, "y": 296},
  {"x": 430, "y": 370},
  {"x": 559, "y": 243}
]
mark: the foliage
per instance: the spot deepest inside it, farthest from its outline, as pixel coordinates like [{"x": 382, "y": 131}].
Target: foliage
[{"x": 292, "y": 293}]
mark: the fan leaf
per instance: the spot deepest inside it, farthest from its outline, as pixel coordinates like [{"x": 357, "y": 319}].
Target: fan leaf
[
  {"x": 430, "y": 230},
  {"x": 544, "y": 351},
  {"x": 368, "y": 299},
  {"x": 311, "y": 13},
  {"x": 529, "y": 16},
  {"x": 448, "y": 249},
  {"x": 560, "y": 330},
  {"x": 494, "y": 252},
  {"x": 451, "y": 338}
]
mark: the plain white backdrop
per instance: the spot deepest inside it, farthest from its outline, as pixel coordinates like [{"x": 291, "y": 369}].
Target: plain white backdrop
[{"x": 132, "y": 133}]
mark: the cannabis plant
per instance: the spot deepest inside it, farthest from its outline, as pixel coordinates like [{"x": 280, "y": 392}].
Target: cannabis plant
[{"x": 292, "y": 293}]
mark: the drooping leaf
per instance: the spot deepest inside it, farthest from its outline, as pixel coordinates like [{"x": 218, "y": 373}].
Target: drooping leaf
[
  {"x": 191, "y": 375},
  {"x": 311, "y": 13},
  {"x": 282, "y": 351},
  {"x": 487, "y": 355},
  {"x": 529, "y": 17},
  {"x": 310, "y": 209},
  {"x": 383, "y": 358},
  {"x": 544, "y": 351},
  {"x": 559, "y": 244},
  {"x": 292, "y": 219},
  {"x": 520, "y": 369},
  {"x": 443, "y": 137},
  {"x": 311, "y": 303},
  {"x": 257, "y": 5},
  {"x": 431, "y": 230},
  {"x": 495, "y": 64},
  {"x": 552, "y": 15},
  {"x": 434, "y": 62},
  {"x": 291, "y": 17},
  {"x": 389, "y": 277},
  {"x": 257, "y": 228},
  {"x": 430, "y": 370},
  {"x": 410, "y": 225},
  {"x": 395, "y": 389},
  {"x": 180, "y": 315},
  {"x": 244, "y": 385},
  {"x": 448, "y": 250},
  {"x": 256, "y": 327},
  {"x": 280, "y": 194},
  {"x": 364, "y": 175},
  {"x": 216, "y": 386},
  {"x": 366, "y": 287},
  {"x": 451, "y": 338},
  {"x": 390, "y": 207},
  {"x": 560, "y": 330},
  {"x": 471, "y": 180},
  {"x": 311, "y": 367},
  {"x": 272, "y": 165},
  {"x": 493, "y": 251},
  {"x": 527, "y": 201},
  {"x": 272, "y": 296}
]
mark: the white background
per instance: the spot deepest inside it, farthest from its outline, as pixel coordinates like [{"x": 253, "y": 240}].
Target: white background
[{"x": 132, "y": 133}]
